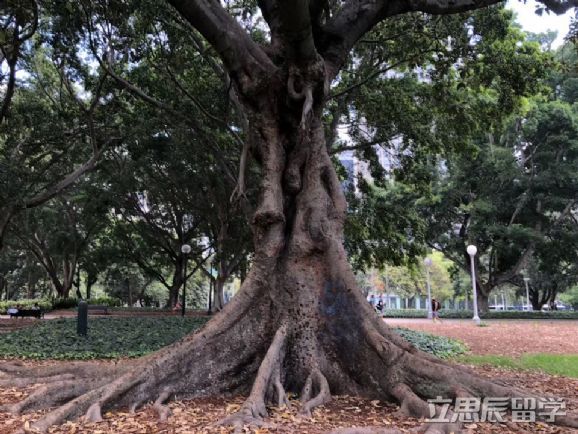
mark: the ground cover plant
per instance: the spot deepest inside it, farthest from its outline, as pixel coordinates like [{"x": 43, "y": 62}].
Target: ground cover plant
[
  {"x": 107, "y": 337},
  {"x": 110, "y": 338},
  {"x": 439, "y": 346}
]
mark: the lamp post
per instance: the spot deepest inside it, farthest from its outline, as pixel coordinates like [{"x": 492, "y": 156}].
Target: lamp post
[
  {"x": 427, "y": 262},
  {"x": 472, "y": 250},
  {"x": 526, "y": 280},
  {"x": 185, "y": 250}
]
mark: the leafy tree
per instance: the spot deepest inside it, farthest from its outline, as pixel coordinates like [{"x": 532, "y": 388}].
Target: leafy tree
[
  {"x": 514, "y": 200},
  {"x": 73, "y": 222},
  {"x": 299, "y": 321},
  {"x": 56, "y": 124}
]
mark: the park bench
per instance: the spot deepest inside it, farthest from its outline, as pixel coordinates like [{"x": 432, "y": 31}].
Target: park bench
[
  {"x": 22, "y": 313},
  {"x": 102, "y": 308}
]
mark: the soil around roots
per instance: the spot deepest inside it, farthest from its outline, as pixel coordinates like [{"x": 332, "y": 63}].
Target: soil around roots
[{"x": 200, "y": 415}]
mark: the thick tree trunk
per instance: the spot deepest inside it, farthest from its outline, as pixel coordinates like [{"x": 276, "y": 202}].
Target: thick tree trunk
[{"x": 299, "y": 322}]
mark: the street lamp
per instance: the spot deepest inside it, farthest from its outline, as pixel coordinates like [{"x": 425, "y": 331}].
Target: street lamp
[
  {"x": 472, "y": 250},
  {"x": 185, "y": 250},
  {"x": 427, "y": 262},
  {"x": 526, "y": 280}
]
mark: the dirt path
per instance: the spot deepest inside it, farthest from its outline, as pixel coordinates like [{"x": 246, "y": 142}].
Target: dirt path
[{"x": 503, "y": 337}]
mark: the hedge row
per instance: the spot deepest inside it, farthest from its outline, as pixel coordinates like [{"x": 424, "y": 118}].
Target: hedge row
[
  {"x": 70, "y": 302},
  {"x": 439, "y": 346},
  {"x": 466, "y": 314}
]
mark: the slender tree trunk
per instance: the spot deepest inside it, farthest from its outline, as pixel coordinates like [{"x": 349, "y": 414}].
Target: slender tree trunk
[
  {"x": 6, "y": 214},
  {"x": 91, "y": 279},
  {"x": 218, "y": 295},
  {"x": 177, "y": 282}
]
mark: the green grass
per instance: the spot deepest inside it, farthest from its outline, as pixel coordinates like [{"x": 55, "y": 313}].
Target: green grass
[
  {"x": 107, "y": 338},
  {"x": 556, "y": 364}
]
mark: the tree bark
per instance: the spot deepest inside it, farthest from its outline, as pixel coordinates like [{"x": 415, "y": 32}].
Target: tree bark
[
  {"x": 177, "y": 283},
  {"x": 483, "y": 302}
]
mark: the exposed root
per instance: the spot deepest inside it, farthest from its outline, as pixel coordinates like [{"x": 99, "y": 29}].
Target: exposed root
[
  {"x": 366, "y": 430},
  {"x": 93, "y": 413},
  {"x": 438, "y": 428},
  {"x": 254, "y": 408},
  {"x": 315, "y": 380},
  {"x": 78, "y": 369},
  {"x": 47, "y": 396},
  {"x": 95, "y": 396},
  {"x": 410, "y": 404},
  {"x": 277, "y": 389},
  {"x": 162, "y": 410},
  {"x": 25, "y": 381},
  {"x": 135, "y": 405}
]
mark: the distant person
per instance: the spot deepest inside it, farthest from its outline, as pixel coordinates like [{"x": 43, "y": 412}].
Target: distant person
[
  {"x": 435, "y": 310},
  {"x": 553, "y": 305},
  {"x": 379, "y": 306},
  {"x": 177, "y": 307}
]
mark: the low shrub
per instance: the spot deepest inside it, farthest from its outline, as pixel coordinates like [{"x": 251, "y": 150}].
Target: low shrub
[
  {"x": 108, "y": 301},
  {"x": 45, "y": 305},
  {"x": 64, "y": 303},
  {"x": 439, "y": 346},
  {"x": 466, "y": 314}
]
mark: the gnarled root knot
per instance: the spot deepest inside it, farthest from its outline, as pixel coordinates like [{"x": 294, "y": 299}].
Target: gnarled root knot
[
  {"x": 267, "y": 384},
  {"x": 315, "y": 382}
]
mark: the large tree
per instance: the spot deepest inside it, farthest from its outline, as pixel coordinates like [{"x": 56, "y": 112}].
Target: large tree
[{"x": 299, "y": 322}]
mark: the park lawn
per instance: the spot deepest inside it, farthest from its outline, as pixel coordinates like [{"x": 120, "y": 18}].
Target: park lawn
[{"x": 555, "y": 364}]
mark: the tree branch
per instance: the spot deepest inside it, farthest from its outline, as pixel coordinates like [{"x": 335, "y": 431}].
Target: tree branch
[
  {"x": 240, "y": 54},
  {"x": 296, "y": 31}
]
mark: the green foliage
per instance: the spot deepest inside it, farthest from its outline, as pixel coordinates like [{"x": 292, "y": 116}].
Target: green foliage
[
  {"x": 555, "y": 364},
  {"x": 571, "y": 297},
  {"x": 44, "y": 304},
  {"x": 439, "y": 346},
  {"x": 107, "y": 338},
  {"x": 64, "y": 303},
  {"x": 108, "y": 301}
]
